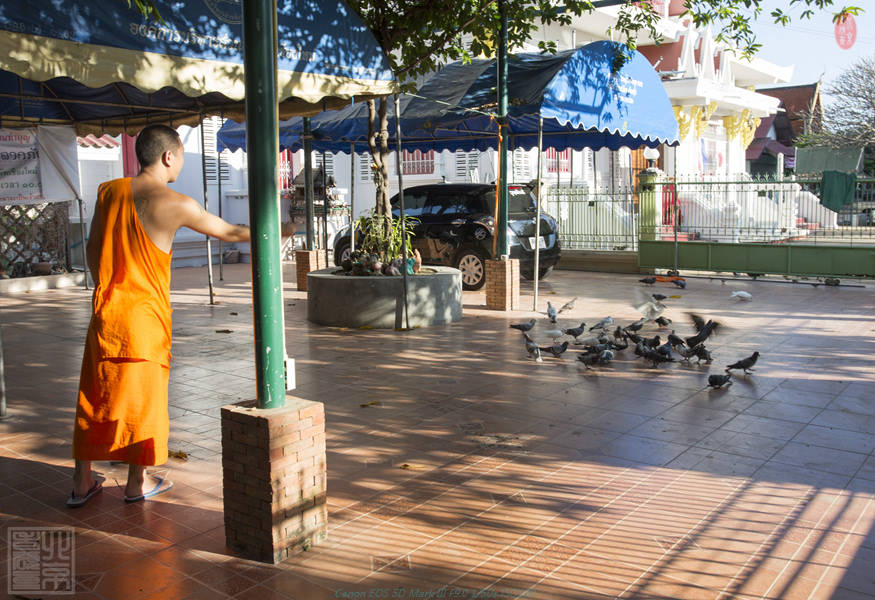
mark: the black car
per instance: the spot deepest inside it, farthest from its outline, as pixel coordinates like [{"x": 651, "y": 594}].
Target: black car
[{"x": 456, "y": 229}]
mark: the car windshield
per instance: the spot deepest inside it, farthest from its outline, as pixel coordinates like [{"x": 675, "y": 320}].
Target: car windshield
[{"x": 519, "y": 200}]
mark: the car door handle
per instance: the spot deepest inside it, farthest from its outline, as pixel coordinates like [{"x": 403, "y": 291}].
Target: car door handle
[{"x": 457, "y": 222}]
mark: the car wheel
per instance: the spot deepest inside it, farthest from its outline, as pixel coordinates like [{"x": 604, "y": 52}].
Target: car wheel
[
  {"x": 341, "y": 253},
  {"x": 543, "y": 272},
  {"x": 472, "y": 264}
]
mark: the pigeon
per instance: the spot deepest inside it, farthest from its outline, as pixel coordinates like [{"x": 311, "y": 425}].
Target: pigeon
[
  {"x": 568, "y": 305},
  {"x": 702, "y": 353},
  {"x": 532, "y": 348},
  {"x": 648, "y": 280},
  {"x": 618, "y": 333},
  {"x": 575, "y": 332},
  {"x": 663, "y": 321},
  {"x": 674, "y": 340},
  {"x": 603, "y": 323},
  {"x": 658, "y": 297},
  {"x": 745, "y": 364},
  {"x": 704, "y": 332},
  {"x": 605, "y": 357},
  {"x": 741, "y": 295},
  {"x": 636, "y": 326},
  {"x": 523, "y": 326},
  {"x": 634, "y": 338},
  {"x": 556, "y": 349},
  {"x": 657, "y": 357},
  {"x": 551, "y": 312},
  {"x": 718, "y": 381},
  {"x": 652, "y": 342},
  {"x": 698, "y": 321},
  {"x": 686, "y": 353},
  {"x": 680, "y": 283},
  {"x": 651, "y": 310},
  {"x": 593, "y": 340},
  {"x": 588, "y": 359},
  {"x": 554, "y": 333},
  {"x": 615, "y": 346}
]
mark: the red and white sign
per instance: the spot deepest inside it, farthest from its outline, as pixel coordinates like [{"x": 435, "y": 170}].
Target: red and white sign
[{"x": 846, "y": 32}]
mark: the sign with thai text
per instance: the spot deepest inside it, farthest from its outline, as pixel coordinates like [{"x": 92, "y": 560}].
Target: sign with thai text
[
  {"x": 19, "y": 167},
  {"x": 846, "y": 32}
]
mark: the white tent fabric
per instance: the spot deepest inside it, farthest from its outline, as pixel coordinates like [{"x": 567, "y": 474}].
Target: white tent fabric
[{"x": 59, "y": 162}]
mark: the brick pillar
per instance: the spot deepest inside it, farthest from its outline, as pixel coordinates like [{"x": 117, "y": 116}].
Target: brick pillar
[
  {"x": 274, "y": 473},
  {"x": 306, "y": 261},
  {"x": 503, "y": 284}
]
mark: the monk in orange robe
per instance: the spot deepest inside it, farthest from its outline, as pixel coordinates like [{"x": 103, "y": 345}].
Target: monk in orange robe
[{"x": 122, "y": 409}]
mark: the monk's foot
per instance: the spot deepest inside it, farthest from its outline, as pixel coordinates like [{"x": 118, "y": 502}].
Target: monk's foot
[
  {"x": 82, "y": 485},
  {"x": 134, "y": 487}
]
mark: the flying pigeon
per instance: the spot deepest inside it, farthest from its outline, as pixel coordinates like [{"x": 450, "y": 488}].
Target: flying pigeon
[
  {"x": 575, "y": 332},
  {"x": 718, "y": 381},
  {"x": 523, "y": 326},
  {"x": 532, "y": 348},
  {"x": 568, "y": 305},
  {"x": 745, "y": 364},
  {"x": 651, "y": 310},
  {"x": 551, "y": 312},
  {"x": 741, "y": 295},
  {"x": 603, "y": 323},
  {"x": 556, "y": 349},
  {"x": 648, "y": 280}
]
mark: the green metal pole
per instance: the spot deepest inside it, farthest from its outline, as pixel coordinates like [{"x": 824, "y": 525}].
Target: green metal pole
[
  {"x": 308, "y": 184},
  {"x": 501, "y": 226},
  {"x": 259, "y": 59}
]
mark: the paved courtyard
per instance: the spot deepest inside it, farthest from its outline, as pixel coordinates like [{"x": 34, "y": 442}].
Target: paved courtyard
[{"x": 458, "y": 468}]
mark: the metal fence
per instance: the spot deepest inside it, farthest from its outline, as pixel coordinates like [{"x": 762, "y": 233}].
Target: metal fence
[
  {"x": 735, "y": 211},
  {"x": 760, "y": 211},
  {"x": 33, "y": 238},
  {"x": 593, "y": 219}
]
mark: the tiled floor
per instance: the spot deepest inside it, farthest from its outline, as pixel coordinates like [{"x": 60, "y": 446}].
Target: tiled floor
[{"x": 523, "y": 480}]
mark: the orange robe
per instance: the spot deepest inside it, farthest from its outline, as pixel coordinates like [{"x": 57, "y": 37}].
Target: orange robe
[{"x": 122, "y": 410}]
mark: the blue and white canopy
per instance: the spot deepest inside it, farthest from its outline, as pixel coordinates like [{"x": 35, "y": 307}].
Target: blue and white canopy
[
  {"x": 103, "y": 66},
  {"x": 584, "y": 104}
]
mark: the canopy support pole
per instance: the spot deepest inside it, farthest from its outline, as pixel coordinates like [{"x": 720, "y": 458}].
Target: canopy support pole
[
  {"x": 501, "y": 225},
  {"x": 260, "y": 56},
  {"x": 207, "y": 209},
  {"x": 83, "y": 234},
  {"x": 325, "y": 209},
  {"x": 401, "y": 208},
  {"x": 219, "y": 177},
  {"x": 351, "y": 197},
  {"x": 308, "y": 184},
  {"x": 538, "y": 213},
  {"x": 3, "y": 375}
]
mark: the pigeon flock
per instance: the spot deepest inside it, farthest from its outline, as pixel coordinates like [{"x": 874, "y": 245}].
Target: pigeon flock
[{"x": 599, "y": 344}]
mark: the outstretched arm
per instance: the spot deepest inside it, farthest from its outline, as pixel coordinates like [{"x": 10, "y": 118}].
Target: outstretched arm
[{"x": 197, "y": 218}]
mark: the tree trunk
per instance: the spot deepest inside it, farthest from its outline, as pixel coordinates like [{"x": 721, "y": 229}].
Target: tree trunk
[{"x": 378, "y": 143}]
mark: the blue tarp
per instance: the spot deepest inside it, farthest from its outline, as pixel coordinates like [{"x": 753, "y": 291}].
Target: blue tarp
[
  {"x": 583, "y": 104},
  {"x": 110, "y": 65}
]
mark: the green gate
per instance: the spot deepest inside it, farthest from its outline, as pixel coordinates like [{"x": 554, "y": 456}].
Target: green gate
[{"x": 756, "y": 226}]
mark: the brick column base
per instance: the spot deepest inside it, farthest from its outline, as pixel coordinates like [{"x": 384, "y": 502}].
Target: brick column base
[
  {"x": 306, "y": 261},
  {"x": 503, "y": 284},
  {"x": 274, "y": 473}
]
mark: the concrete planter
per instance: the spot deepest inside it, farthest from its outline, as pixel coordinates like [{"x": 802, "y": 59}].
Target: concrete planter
[{"x": 434, "y": 298}]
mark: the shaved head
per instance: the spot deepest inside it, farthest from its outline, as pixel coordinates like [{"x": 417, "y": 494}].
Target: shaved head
[{"x": 154, "y": 141}]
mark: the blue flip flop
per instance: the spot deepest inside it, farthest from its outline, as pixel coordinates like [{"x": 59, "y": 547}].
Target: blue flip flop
[
  {"x": 75, "y": 501},
  {"x": 161, "y": 486}
]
